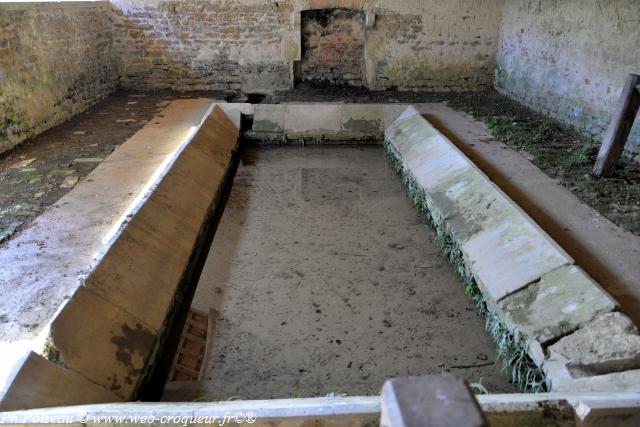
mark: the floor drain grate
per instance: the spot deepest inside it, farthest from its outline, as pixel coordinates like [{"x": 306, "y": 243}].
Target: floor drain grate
[{"x": 192, "y": 349}]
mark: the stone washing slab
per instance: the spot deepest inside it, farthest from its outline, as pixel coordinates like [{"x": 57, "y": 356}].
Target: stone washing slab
[
  {"x": 562, "y": 301},
  {"x": 610, "y": 343},
  {"x": 522, "y": 273},
  {"x": 477, "y": 213},
  {"x": 519, "y": 255},
  {"x": 558, "y": 380},
  {"x": 101, "y": 342},
  {"x": 167, "y": 226},
  {"x": 116, "y": 303},
  {"x": 41, "y": 265}
]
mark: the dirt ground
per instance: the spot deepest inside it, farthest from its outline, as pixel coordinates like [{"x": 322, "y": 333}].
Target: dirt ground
[
  {"x": 560, "y": 152},
  {"x": 327, "y": 280},
  {"x": 38, "y": 172}
]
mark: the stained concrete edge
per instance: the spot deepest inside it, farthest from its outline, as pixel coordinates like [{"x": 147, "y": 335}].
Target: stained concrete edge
[
  {"x": 442, "y": 171},
  {"x": 338, "y": 122},
  {"x": 98, "y": 335},
  {"x": 586, "y": 408}
]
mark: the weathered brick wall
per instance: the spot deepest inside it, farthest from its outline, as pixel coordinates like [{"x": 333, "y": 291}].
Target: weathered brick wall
[
  {"x": 55, "y": 61},
  {"x": 333, "y": 46},
  {"x": 438, "y": 46},
  {"x": 251, "y": 44},
  {"x": 570, "y": 58},
  {"x": 195, "y": 45}
]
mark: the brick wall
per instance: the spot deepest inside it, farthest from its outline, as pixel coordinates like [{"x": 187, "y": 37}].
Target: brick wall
[
  {"x": 252, "y": 44},
  {"x": 333, "y": 46},
  {"x": 55, "y": 61},
  {"x": 195, "y": 45}
]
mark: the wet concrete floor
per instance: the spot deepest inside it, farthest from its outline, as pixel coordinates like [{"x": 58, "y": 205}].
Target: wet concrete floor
[{"x": 327, "y": 280}]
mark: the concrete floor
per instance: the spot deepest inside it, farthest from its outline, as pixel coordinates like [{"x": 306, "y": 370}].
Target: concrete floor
[{"x": 327, "y": 280}]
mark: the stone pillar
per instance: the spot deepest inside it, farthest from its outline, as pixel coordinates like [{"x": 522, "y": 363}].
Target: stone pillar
[{"x": 432, "y": 400}]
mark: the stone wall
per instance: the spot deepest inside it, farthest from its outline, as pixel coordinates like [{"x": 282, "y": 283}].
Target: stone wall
[
  {"x": 252, "y": 44},
  {"x": 333, "y": 46},
  {"x": 570, "y": 58},
  {"x": 55, "y": 61}
]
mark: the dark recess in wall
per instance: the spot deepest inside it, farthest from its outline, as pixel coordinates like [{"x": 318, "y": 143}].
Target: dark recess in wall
[{"x": 333, "y": 43}]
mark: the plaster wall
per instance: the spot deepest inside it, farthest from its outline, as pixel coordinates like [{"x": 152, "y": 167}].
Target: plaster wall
[
  {"x": 56, "y": 60},
  {"x": 570, "y": 58}
]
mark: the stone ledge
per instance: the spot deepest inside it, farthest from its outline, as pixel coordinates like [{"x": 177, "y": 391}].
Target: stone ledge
[
  {"x": 556, "y": 305},
  {"x": 502, "y": 247},
  {"x": 125, "y": 232},
  {"x": 605, "y": 351},
  {"x": 525, "y": 278},
  {"x": 351, "y": 122}
]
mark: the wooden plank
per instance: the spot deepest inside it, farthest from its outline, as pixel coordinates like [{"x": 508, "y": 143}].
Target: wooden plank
[
  {"x": 618, "y": 132},
  {"x": 198, "y": 340},
  {"x": 192, "y": 354},
  {"x": 187, "y": 370},
  {"x": 212, "y": 322}
]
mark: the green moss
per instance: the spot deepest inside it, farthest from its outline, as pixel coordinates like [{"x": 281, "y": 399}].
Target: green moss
[
  {"x": 511, "y": 346},
  {"x": 290, "y": 50}
]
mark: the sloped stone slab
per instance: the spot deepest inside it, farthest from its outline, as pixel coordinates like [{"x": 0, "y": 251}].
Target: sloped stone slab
[
  {"x": 610, "y": 343},
  {"x": 113, "y": 256},
  {"x": 42, "y": 384},
  {"x": 616, "y": 382},
  {"x": 522, "y": 273},
  {"x": 151, "y": 253},
  {"x": 561, "y": 302},
  {"x": 42, "y": 264},
  {"x": 502, "y": 246},
  {"x": 510, "y": 256},
  {"x": 101, "y": 342}
]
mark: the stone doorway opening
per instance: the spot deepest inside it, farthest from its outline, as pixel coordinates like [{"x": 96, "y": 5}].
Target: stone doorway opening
[{"x": 333, "y": 46}]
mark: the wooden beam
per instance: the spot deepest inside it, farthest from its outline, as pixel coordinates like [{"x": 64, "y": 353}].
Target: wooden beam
[{"x": 619, "y": 128}]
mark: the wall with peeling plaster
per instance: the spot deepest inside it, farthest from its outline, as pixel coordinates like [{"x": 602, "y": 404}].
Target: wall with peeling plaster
[
  {"x": 251, "y": 45},
  {"x": 56, "y": 60},
  {"x": 570, "y": 58}
]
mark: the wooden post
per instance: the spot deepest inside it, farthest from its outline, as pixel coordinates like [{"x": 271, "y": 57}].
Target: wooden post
[
  {"x": 619, "y": 129},
  {"x": 431, "y": 400}
]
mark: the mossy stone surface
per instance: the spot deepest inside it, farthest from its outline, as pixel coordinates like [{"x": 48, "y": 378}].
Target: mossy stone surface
[{"x": 562, "y": 301}]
